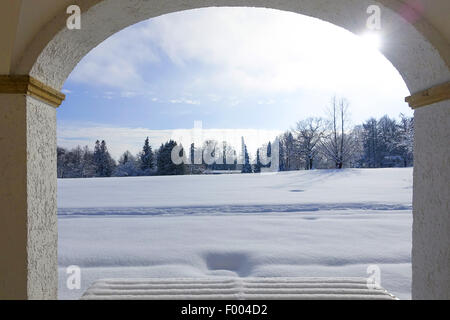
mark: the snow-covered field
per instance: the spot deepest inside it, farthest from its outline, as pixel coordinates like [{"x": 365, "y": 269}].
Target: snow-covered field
[{"x": 323, "y": 223}]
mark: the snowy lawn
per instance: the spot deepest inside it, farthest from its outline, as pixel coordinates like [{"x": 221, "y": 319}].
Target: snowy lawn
[{"x": 323, "y": 223}]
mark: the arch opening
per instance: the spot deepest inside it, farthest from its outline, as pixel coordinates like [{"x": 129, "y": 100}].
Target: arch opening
[{"x": 243, "y": 262}]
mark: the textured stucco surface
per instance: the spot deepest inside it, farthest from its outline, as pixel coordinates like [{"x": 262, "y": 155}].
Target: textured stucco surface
[
  {"x": 431, "y": 203},
  {"x": 28, "y": 228},
  {"x": 41, "y": 200},
  {"x": 414, "y": 57}
]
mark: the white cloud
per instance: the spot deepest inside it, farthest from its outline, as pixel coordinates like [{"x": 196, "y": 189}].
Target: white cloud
[
  {"x": 244, "y": 49},
  {"x": 267, "y": 102},
  {"x": 272, "y": 51},
  {"x": 184, "y": 101},
  {"x": 117, "y": 63}
]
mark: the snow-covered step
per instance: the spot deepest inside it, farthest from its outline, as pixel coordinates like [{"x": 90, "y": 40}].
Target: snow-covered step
[{"x": 235, "y": 289}]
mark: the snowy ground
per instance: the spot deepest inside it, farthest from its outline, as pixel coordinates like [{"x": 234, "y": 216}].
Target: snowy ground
[{"x": 322, "y": 223}]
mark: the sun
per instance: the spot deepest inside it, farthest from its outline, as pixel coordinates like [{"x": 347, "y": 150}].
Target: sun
[{"x": 371, "y": 40}]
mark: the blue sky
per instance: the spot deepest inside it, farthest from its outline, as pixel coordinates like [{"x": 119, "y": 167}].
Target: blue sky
[{"x": 255, "y": 71}]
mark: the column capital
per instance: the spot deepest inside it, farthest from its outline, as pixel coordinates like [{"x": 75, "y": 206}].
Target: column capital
[
  {"x": 25, "y": 84},
  {"x": 429, "y": 96}
]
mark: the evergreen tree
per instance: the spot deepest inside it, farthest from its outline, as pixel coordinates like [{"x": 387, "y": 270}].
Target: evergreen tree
[
  {"x": 269, "y": 151},
  {"x": 97, "y": 158},
  {"x": 192, "y": 153},
  {"x": 258, "y": 165},
  {"x": 192, "y": 158},
  {"x": 266, "y": 156},
  {"x": 164, "y": 160},
  {"x": 246, "y": 168},
  {"x": 108, "y": 162},
  {"x": 104, "y": 164},
  {"x": 146, "y": 158}
]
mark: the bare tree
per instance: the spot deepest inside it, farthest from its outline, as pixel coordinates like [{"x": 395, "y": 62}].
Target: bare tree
[
  {"x": 337, "y": 145},
  {"x": 309, "y": 136}
]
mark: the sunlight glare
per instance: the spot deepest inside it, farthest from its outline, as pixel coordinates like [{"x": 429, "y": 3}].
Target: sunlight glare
[{"x": 371, "y": 40}]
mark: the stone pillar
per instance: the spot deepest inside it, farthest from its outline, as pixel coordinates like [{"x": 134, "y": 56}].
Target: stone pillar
[
  {"x": 28, "y": 220},
  {"x": 431, "y": 203}
]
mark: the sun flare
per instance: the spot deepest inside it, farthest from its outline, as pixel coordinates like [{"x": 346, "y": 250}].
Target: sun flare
[{"x": 371, "y": 40}]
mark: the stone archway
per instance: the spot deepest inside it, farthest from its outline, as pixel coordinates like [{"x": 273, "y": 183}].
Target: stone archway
[{"x": 28, "y": 117}]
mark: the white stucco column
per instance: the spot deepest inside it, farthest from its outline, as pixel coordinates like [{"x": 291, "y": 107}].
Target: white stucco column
[
  {"x": 431, "y": 203},
  {"x": 28, "y": 220}
]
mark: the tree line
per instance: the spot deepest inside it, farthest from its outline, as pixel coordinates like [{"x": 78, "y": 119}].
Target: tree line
[
  {"x": 314, "y": 143},
  {"x": 331, "y": 142},
  {"x": 83, "y": 163}
]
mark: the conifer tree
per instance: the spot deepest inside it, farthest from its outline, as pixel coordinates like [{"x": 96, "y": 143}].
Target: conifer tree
[
  {"x": 146, "y": 158},
  {"x": 164, "y": 160},
  {"x": 246, "y": 168},
  {"x": 104, "y": 164},
  {"x": 257, "y": 166}
]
